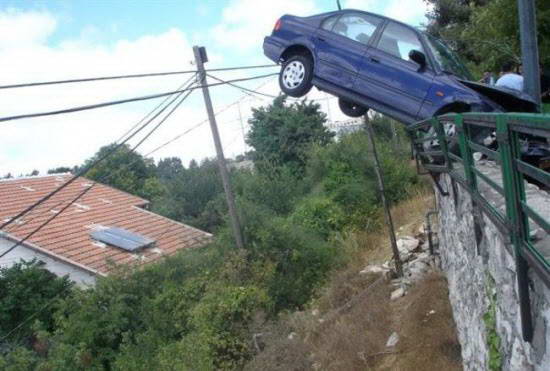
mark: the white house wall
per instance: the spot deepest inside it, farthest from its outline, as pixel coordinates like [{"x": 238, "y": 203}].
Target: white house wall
[{"x": 59, "y": 268}]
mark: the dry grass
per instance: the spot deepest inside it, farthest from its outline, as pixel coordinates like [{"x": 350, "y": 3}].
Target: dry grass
[
  {"x": 428, "y": 335},
  {"x": 356, "y": 316}
]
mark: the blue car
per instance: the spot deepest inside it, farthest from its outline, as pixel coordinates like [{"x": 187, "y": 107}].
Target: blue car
[{"x": 373, "y": 62}]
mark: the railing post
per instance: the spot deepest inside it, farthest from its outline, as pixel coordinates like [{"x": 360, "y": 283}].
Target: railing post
[
  {"x": 514, "y": 191},
  {"x": 466, "y": 152},
  {"x": 440, "y": 132}
]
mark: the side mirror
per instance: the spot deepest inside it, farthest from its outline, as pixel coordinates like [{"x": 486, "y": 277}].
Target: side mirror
[{"x": 418, "y": 57}]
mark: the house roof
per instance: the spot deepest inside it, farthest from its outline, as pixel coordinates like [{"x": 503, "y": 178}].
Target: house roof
[{"x": 67, "y": 237}]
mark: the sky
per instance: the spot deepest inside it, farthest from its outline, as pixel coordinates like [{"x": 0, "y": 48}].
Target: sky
[{"x": 44, "y": 40}]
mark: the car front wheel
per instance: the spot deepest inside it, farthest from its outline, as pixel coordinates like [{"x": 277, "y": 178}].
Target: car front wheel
[
  {"x": 351, "y": 109},
  {"x": 296, "y": 75}
]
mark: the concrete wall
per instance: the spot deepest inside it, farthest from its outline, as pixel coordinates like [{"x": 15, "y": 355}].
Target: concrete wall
[
  {"x": 482, "y": 283},
  {"x": 60, "y": 268}
]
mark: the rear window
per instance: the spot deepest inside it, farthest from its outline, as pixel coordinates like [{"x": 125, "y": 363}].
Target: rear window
[
  {"x": 328, "y": 23},
  {"x": 358, "y": 27}
]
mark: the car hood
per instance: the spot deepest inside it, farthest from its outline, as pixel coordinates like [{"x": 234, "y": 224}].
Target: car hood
[{"x": 509, "y": 99}]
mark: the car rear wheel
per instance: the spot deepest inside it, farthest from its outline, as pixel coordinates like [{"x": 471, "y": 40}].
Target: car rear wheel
[
  {"x": 351, "y": 109},
  {"x": 296, "y": 75}
]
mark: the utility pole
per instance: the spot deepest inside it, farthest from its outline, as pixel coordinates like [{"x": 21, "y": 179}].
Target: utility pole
[
  {"x": 200, "y": 59},
  {"x": 387, "y": 213},
  {"x": 529, "y": 48}
]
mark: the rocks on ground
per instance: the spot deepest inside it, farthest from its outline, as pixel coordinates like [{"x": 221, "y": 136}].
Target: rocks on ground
[{"x": 416, "y": 259}]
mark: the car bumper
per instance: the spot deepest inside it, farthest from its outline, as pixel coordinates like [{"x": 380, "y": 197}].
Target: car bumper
[{"x": 273, "y": 48}]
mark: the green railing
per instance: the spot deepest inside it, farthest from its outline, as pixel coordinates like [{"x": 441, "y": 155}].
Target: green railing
[{"x": 517, "y": 218}]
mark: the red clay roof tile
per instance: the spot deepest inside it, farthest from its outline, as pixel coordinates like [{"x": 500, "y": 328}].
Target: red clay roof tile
[{"x": 68, "y": 235}]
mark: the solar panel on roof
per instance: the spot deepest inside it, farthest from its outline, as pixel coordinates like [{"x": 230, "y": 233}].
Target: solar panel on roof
[{"x": 122, "y": 238}]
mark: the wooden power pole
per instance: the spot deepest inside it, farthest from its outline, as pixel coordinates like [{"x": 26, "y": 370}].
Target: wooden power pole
[
  {"x": 387, "y": 213},
  {"x": 200, "y": 59}
]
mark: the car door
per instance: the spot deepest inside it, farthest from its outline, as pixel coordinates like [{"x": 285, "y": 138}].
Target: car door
[
  {"x": 389, "y": 77},
  {"x": 340, "y": 44}
]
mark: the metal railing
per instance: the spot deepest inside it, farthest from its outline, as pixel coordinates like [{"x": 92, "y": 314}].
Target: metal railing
[{"x": 453, "y": 140}]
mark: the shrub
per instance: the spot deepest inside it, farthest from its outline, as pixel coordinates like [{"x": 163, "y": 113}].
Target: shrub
[
  {"x": 26, "y": 289},
  {"x": 319, "y": 214}
]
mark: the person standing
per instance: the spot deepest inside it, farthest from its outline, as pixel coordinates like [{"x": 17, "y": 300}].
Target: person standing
[{"x": 509, "y": 79}]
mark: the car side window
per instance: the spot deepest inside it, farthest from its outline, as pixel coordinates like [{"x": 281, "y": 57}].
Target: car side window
[
  {"x": 399, "y": 40},
  {"x": 358, "y": 27},
  {"x": 328, "y": 23}
]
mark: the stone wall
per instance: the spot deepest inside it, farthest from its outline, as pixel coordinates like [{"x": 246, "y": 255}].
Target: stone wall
[{"x": 480, "y": 268}]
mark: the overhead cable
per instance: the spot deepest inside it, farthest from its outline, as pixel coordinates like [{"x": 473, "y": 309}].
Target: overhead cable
[
  {"x": 122, "y": 101},
  {"x": 86, "y": 169},
  {"x": 133, "y": 76},
  {"x": 250, "y": 91}
]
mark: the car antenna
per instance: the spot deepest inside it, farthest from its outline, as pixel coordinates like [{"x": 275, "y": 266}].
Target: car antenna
[{"x": 338, "y": 3}]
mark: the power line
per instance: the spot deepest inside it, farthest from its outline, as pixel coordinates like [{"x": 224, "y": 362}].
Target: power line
[
  {"x": 71, "y": 203},
  {"x": 177, "y": 137},
  {"x": 117, "y": 102},
  {"x": 154, "y": 109},
  {"x": 137, "y": 145},
  {"x": 162, "y": 121},
  {"x": 86, "y": 169},
  {"x": 86, "y": 190},
  {"x": 117, "y": 77},
  {"x": 242, "y": 88},
  {"x": 89, "y": 188}
]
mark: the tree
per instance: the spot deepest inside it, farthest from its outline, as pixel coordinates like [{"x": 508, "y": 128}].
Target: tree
[
  {"x": 169, "y": 168},
  {"x": 189, "y": 191},
  {"x": 126, "y": 170},
  {"x": 282, "y": 134},
  {"x": 493, "y": 33},
  {"x": 486, "y": 32},
  {"x": 26, "y": 289}
]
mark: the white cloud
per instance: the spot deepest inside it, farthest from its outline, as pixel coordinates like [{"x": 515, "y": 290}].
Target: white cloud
[
  {"x": 44, "y": 143},
  {"x": 20, "y": 29},
  {"x": 246, "y": 22}
]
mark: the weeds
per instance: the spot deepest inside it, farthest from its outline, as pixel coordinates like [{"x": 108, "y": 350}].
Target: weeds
[{"x": 489, "y": 318}]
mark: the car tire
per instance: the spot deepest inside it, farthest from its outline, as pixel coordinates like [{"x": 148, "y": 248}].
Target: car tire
[
  {"x": 296, "y": 75},
  {"x": 351, "y": 109}
]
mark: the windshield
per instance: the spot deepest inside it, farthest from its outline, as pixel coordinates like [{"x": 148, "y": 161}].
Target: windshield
[{"x": 446, "y": 59}]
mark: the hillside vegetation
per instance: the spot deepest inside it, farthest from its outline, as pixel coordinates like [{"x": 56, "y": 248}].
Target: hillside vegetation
[{"x": 200, "y": 308}]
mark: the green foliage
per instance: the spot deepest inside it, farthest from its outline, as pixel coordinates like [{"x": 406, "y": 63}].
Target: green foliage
[
  {"x": 295, "y": 259},
  {"x": 486, "y": 32},
  {"x": 197, "y": 309},
  {"x": 26, "y": 288},
  {"x": 125, "y": 170},
  {"x": 277, "y": 188},
  {"x": 19, "y": 359},
  {"x": 192, "y": 195},
  {"x": 489, "y": 318},
  {"x": 346, "y": 173},
  {"x": 319, "y": 214},
  {"x": 282, "y": 134}
]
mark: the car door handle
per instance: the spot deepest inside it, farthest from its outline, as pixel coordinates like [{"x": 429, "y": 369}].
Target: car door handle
[{"x": 374, "y": 60}]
